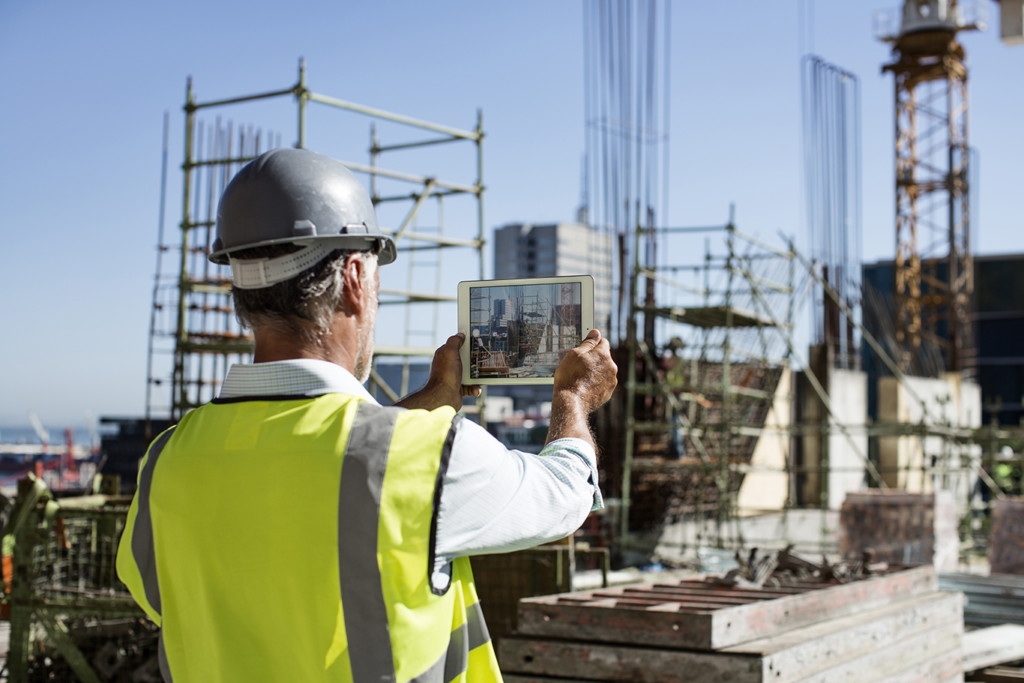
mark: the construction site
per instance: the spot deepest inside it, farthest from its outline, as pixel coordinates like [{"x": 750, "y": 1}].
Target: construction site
[{"x": 786, "y": 499}]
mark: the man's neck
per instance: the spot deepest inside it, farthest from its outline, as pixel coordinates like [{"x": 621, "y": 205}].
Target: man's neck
[{"x": 339, "y": 347}]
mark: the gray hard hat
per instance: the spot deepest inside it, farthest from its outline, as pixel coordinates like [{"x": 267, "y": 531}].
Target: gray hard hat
[{"x": 294, "y": 196}]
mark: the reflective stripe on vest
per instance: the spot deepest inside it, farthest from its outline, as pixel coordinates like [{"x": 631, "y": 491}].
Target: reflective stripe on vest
[
  {"x": 464, "y": 639},
  {"x": 142, "y": 537},
  {"x": 362, "y": 479},
  {"x": 366, "y": 619},
  {"x": 142, "y": 542}
]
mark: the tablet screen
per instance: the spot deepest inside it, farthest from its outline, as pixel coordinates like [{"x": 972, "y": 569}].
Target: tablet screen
[{"x": 524, "y": 330}]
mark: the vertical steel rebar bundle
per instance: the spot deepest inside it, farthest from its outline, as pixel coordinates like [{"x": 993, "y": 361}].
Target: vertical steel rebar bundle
[
  {"x": 830, "y": 99},
  {"x": 626, "y": 90}
]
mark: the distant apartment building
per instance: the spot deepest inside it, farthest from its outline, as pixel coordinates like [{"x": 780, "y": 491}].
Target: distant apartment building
[{"x": 523, "y": 250}]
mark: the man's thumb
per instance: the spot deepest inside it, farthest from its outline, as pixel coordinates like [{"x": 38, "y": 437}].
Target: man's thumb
[{"x": 591, "y": 341}]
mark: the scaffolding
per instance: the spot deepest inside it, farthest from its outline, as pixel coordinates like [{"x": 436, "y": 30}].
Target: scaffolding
[
  {"x": 194, "y": 335},
  {"x": 725, "y": 419},
  {"x": 717, "y": 387},
  {"x": 706, "y": 348}
]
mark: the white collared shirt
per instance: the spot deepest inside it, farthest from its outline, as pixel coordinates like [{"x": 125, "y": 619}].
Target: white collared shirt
[{"x": 493, "y": 500}]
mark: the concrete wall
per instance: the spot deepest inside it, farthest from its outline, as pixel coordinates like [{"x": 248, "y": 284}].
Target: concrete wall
[
  {"x": 848, "y": 452},
  {"x": 833, "y": 461},
  {"x": 842, "y": 469},
  {"x": 766, "y": 485},
  {"x": 920, "y": 463}
]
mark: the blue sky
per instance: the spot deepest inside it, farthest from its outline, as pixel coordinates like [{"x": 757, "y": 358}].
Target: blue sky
[{"x": 86, "y": 86}]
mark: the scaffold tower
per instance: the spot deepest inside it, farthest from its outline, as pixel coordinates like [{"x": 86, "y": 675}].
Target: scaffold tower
[{"x": 194, "y": 335}]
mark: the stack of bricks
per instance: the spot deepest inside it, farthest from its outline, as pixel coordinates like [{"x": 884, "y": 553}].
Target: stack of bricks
[
  {"x": 1006, "y": 543},
  {"x": 900, "y": 527}
]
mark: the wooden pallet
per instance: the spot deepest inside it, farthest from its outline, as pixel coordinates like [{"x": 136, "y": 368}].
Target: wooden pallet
[
  {"x": 908, "y": 639},
  {"x": 698, "y": 615}
]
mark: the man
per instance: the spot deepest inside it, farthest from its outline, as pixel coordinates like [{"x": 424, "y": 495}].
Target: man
[{"x": 293, "y": 529}]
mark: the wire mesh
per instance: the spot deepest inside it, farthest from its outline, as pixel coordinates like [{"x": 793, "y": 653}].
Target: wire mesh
[
  {"x": 71, "y": 618},
  {"x": 77, "y": 556}
]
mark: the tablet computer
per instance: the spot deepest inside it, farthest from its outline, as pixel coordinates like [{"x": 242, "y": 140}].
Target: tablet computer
[{"x": 517, "y": 331}]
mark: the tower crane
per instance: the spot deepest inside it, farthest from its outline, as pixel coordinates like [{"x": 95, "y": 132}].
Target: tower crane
[{"x": 934, "y": 279}]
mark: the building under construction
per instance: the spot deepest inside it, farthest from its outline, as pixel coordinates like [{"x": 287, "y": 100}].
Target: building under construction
[
  {"x": 724, "y": 410},
  {"x": 730, "y": 428},
  {"x": 869, "y": 444}
]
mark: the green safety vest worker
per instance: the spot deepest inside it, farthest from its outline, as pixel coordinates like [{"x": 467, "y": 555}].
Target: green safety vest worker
[{"x": 292, "y": 539}]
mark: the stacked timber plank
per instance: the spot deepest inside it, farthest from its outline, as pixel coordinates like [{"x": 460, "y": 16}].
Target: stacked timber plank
[
  {"x": 895, "y": 626},
  {"x": 901, "y": 527},
  {"x": 1006, "y": 543},
  {"x": 992, "y": 646}
]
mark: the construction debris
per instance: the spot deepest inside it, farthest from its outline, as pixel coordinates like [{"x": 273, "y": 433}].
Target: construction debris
[{"x": 786, "y": 568}]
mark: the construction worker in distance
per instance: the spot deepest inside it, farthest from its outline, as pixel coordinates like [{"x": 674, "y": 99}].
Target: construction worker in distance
[{"x": 295, "y": 530}]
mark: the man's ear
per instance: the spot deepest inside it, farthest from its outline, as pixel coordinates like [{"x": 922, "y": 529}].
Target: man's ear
[{"x": 354, "y": 285}]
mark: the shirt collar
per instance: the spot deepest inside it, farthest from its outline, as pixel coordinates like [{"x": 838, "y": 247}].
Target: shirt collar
[{"x": 295, "y": 377}]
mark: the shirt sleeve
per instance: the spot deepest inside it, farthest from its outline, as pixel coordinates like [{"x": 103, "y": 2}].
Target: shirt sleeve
[{"x": 498, "y": 500}]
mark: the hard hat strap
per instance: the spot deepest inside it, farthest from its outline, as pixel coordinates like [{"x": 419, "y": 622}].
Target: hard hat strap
[{"x": 264, "y": 272}]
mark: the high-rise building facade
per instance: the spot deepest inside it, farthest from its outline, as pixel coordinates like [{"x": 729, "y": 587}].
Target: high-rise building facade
[
  {"x": 523, "y": 250},
  {"x": 998, "y": 322}
]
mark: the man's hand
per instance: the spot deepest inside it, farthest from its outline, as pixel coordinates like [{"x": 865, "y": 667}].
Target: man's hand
[
  {"x": 588, "y": 372},
  {"x": 444, "y": 386},
  {"x": 584, "y": 381}
]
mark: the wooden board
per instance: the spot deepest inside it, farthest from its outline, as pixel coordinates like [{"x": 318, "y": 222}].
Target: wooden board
[
  {"x": 993, "y": 645},
  {"x": 901, "y": 640},
  {"x": 998, "y": 674},
  {"x": 698, "y": 616},
  {"x": 944, "y": 669},
  {"x": 606, "y": 662},
  {"x": 885, "y": 641}
]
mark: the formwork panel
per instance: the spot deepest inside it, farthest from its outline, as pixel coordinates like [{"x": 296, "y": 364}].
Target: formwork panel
[
  {"x": 606, "y": 662},
  {"x": 699, "y": 615},
  {"x": 884, "y": 641},
  {"x": 917, "y": 638}
]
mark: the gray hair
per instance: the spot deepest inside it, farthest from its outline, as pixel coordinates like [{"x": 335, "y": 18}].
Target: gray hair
[{"x": 306, "y": 304}]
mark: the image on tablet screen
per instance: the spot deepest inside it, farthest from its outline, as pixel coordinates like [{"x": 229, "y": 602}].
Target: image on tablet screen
[{"x": 522, "y": 330}]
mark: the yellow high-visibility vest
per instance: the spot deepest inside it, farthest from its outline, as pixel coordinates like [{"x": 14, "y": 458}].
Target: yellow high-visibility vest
[{"x": 292, "y": 539}]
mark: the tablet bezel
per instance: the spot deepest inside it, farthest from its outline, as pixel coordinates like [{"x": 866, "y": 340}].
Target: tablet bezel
[{"x": 586, "y": 283}]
